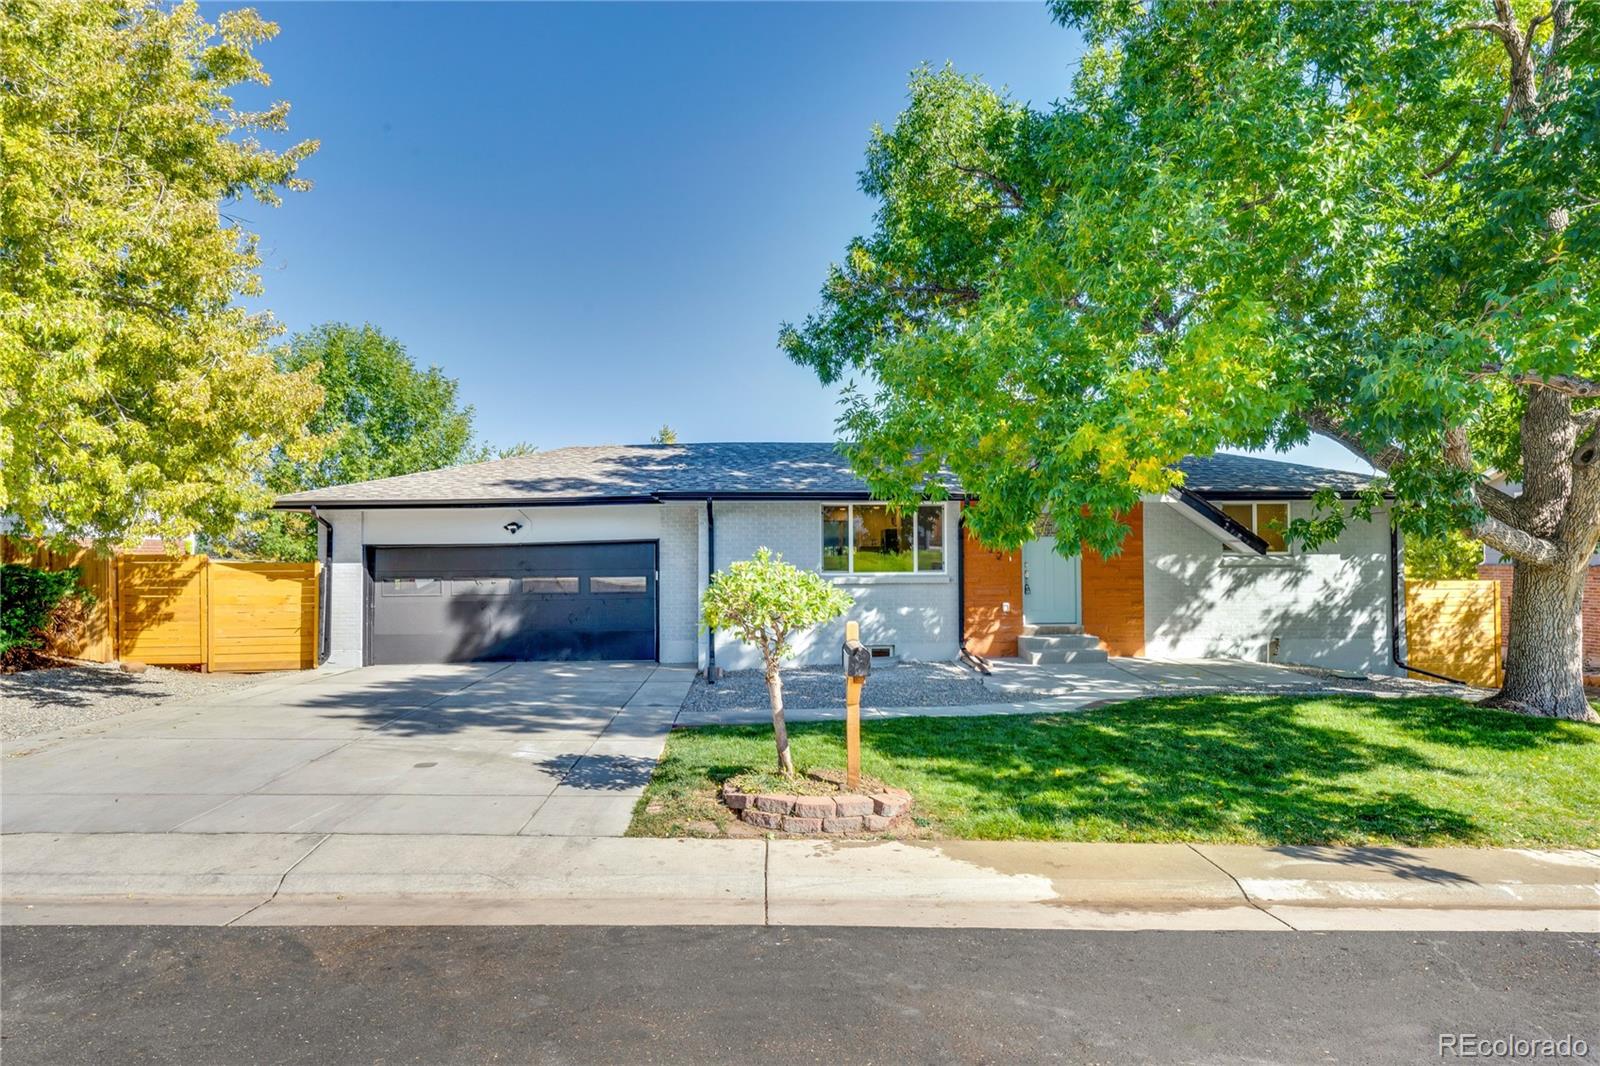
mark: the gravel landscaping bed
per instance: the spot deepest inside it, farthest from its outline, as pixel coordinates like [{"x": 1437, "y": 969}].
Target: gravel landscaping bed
[
  {"x": 815, "y": 687},
  {"x": 43, "y": 701}
]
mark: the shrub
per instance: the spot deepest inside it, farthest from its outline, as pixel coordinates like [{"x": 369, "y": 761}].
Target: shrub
[
  {"x": 28, "y": 597},
  {"x": 766, "y": 602}
]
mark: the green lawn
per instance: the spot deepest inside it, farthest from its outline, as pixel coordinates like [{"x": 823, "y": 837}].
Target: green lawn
[{"x": 1234, "y": 769}]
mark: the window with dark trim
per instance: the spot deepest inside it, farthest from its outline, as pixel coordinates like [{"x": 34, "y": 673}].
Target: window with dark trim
[
  {"x": 1267, "y": 520},
  {"x": 870, "y": 538}
]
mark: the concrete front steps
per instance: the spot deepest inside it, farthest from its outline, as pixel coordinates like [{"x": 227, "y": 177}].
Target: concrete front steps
[{"x": 1059, "y": 644}]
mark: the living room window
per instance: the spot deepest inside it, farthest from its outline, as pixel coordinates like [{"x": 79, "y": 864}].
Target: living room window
[
  {"x": 869, "y": 538},
  {"x": 1266, "y": 520}
]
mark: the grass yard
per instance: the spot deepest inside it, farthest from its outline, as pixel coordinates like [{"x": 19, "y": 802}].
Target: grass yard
[{"x": 1221, "y": 769}]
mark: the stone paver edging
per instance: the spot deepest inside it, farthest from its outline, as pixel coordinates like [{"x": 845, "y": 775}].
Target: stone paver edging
[{"x": 808, "y": 815}]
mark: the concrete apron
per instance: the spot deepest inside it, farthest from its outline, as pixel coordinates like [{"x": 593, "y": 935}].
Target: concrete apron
[{"x": 312, "y": 879}]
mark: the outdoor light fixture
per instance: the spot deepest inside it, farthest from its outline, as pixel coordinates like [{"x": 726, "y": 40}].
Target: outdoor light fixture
[{"x": 512, "y": 527}]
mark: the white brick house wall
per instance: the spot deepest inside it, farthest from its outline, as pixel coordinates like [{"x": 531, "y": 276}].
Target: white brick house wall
[
  {"x": 1328, "y": 607},
  {"x": 346, "y": 589},
  {"x": 679, "y": 586},
  {"x": 918, "y": 614}
]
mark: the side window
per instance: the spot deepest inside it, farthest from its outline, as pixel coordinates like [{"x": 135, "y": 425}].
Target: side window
[{"x": 1266, "y": 520}]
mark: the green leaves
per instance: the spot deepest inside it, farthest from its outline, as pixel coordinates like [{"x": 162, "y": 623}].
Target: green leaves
[
  {"x": 136, "y": 395},
  {"x": 381, "y": 416},
  {"x": 766, "y": 602},
  {"x": 1244, "y": 220}
]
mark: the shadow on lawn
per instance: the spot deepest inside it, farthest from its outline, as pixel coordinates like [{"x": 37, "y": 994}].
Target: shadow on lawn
[{"x": 1240, "y": 768}]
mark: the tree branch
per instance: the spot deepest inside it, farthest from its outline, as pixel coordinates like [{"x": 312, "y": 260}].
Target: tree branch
[
  {"x": 1328, "y": 425},
  {"x": 1008, "y": 190},
  {"x": 1514, "y": 542}
]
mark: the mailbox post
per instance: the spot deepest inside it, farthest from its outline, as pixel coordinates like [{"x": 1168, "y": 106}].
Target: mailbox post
[{"x": 857, "y": 665}]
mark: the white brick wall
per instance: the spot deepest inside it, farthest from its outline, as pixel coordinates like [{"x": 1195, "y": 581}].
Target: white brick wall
[
  {"x": 346, "y": 589},
  {"x": 1327, "y": 608},
  {"x": 679, "y": 587},
  {"x": 917, "y": 614}
]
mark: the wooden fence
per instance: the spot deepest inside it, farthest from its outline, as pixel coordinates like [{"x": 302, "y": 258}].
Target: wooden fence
[
  {"x": 189, "y": 610},
  {"x": 1453, "y": 628}
]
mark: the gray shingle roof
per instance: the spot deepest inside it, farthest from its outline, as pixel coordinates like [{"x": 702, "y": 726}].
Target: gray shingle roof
[
  {"x": 655, "y": 471},
  {"x": 1222, "y": 475}
]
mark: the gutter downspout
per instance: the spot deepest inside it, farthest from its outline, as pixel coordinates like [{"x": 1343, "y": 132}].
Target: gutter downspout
[
  {"x": 1397, "y": 611},
  {"x": 711, "y": 568},
  {"x": 323, "y": 605}
]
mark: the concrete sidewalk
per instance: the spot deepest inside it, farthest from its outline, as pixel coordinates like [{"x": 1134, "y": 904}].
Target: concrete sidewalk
[{"x": 326, "y": 879}]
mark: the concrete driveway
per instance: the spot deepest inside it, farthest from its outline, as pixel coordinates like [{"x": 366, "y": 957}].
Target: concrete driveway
[{"x": 558, "y": 749}]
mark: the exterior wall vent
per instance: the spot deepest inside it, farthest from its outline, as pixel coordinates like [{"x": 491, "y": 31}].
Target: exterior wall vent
[{"x": 881, "y": 651}]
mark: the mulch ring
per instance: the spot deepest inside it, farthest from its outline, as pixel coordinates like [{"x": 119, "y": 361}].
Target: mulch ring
[{"x": 816, "y": 803}]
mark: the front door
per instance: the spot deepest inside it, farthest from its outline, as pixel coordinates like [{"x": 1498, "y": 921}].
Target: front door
[{"x": 1049, "y": 584}]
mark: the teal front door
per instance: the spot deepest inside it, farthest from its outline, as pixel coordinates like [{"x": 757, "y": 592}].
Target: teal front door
[{"x": 1049, "y": 584}]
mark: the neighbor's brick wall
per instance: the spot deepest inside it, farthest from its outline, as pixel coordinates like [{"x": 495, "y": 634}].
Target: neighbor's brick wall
[
  {"x": 1502, "y": 572},
  {"x": 993, "y": 581},
  {"x": 1113, "y": 591}
]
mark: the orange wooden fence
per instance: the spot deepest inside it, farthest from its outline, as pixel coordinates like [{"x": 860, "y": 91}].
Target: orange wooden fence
[
  {"x": 190, "y": 610},
  {"x": 1453, "y": 628}
]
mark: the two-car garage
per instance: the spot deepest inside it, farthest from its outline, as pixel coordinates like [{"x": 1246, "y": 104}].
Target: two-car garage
[{"x": 436, "y": 604}]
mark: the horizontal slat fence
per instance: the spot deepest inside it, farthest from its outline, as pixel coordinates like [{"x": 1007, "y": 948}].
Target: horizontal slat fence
[
  {"x": 1453, "y": 628},
  {"x": 189, "y": 610},
  {"x": 263, "y": 616}
]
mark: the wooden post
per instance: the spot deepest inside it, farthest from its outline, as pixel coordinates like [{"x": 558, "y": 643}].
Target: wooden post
[{"x": 852, "y": 718}]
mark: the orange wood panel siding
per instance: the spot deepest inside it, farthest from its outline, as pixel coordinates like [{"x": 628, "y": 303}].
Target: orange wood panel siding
[
  {"x": 1453, "y": 628},
  {"x": 1113, "y": 591},
  {"x": 990, "y": 580},
  {"x": 262, "y": 616}
]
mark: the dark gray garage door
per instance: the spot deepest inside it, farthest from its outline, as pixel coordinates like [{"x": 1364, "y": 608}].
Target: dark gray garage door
[{"x": 547, "y": 601}]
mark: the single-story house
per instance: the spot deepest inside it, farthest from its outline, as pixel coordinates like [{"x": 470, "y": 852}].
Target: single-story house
[{"x": 604, "y": 552}]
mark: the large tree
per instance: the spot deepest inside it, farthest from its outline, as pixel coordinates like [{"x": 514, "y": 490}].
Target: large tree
[
  {"x": 380, "y": 417},
  {"x": 1245, "y": 223},
  {"x": 139, "y": 396}
]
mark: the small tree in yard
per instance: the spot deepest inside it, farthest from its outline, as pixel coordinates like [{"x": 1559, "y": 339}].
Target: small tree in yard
[{"x": 767, "y": 602}]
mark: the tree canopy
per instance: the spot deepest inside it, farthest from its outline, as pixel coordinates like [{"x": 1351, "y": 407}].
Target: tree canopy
[
  {"x": 139, "y": 396},
  {"x": 1246, "y": 222},
  {"x": 380, "y": 417}
]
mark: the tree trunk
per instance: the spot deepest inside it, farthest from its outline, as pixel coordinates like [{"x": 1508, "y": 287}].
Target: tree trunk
[
  {"x": 1544, "y": 659},
  {"x": 780, "y": 730}
]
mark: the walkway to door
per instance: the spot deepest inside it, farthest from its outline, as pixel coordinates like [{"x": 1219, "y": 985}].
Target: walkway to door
[{"x": 561, "y": 749}]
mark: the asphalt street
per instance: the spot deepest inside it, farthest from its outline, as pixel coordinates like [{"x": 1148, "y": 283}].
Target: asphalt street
[{"x": 152, "y": 994}]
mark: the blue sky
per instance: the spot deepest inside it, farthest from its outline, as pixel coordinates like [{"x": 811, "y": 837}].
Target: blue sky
[{"x": 596, "y": 216}]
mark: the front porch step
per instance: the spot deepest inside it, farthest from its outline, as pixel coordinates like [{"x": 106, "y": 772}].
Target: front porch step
[
  {"x": 1076, "y": 655},
  {"x": 1056, "y": 642},
  {"x": 1057, "y": 629}
]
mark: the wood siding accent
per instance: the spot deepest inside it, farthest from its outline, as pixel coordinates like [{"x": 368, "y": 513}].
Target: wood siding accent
[
  {"x": 1453, "y": 628},
  {"x": 1113, "y": 591},
  {"x": 990, "y": 580}
]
